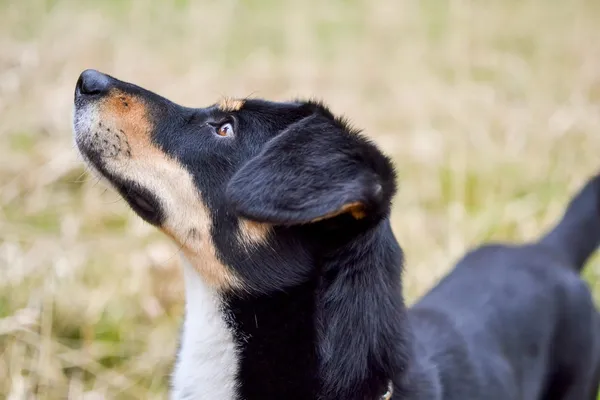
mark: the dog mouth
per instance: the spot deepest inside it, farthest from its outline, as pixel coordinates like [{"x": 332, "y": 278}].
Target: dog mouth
[{"x": 141, "y": 200}]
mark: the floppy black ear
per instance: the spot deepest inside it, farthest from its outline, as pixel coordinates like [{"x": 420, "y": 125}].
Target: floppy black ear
[{"x": 316, "y": 169}]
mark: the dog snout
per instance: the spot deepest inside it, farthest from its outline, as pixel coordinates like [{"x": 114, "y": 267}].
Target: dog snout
[{"x": 92, "y": 83}]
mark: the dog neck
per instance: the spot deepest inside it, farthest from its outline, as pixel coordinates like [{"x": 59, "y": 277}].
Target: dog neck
[
  {"x": 207, "y": 363},
  {"x": 338, "y": 335}
]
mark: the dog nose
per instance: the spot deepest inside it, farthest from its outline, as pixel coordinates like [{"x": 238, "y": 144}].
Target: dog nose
[{"x": 92, "y": 82}]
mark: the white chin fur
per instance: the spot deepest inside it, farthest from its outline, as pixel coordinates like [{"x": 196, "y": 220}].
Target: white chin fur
[{"x": 83, "y": 121}]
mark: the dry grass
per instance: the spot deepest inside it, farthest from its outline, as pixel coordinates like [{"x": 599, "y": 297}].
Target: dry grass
[{"x": 491, "y": 110}]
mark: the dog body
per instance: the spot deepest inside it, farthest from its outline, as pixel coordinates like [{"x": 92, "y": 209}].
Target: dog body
[
  {"x": 292, "y": 270},
  {"x": 518, "y": 320},
  {"x": 509, "y": 323}
]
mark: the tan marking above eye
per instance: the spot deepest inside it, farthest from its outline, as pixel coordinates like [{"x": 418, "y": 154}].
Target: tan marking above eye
[{"x": 227, "y": 104}]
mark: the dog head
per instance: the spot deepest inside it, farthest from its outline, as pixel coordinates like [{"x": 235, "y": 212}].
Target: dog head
[{"x": 251, "y": 190}]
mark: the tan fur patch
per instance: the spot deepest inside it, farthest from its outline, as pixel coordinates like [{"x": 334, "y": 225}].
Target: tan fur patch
[
  {"x": 356, "y": 209},
  {"x": 187, "y": 220},
  {"x": 228, "y": 104},
  {"x": 252, "y": 233}
]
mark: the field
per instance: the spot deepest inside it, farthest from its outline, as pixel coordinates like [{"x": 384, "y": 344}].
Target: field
[{"x": 491, "y": 111}]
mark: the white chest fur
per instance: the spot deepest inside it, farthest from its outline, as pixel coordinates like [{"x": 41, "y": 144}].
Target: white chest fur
[{"x": 207, "y": 362}]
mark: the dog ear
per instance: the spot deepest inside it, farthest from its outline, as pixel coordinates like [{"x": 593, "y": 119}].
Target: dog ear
[{"x": 314, "y": 170}]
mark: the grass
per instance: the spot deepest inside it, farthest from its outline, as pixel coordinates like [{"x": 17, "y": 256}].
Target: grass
[{"x": 491, "y": 111}]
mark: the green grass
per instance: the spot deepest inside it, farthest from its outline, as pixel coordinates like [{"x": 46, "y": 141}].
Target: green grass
[{"x": 491, "y": 111}]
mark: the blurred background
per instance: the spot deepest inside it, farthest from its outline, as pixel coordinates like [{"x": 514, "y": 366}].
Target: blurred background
[{"x": 491, "y": 111}]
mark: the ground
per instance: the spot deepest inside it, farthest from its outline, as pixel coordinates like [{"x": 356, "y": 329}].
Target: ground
[{"x": 491, "y": 111}]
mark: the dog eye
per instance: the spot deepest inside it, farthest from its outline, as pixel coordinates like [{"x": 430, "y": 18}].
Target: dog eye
[{"x": 225, "y": 129}]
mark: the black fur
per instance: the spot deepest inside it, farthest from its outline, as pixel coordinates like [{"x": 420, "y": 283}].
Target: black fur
[{"x": 321, "y": 315}]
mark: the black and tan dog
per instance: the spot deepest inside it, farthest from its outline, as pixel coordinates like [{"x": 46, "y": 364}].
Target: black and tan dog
[{"x": 292, "y": 271}]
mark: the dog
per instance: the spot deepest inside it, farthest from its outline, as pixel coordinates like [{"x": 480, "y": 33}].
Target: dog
[{"x": 293, "y": 274}]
